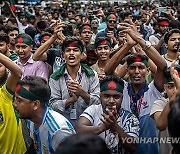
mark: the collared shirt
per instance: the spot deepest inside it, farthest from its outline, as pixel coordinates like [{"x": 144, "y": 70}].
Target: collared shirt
[
  {"x": 52, "y": 131},
  {"x": 60, "y": 93},
  {"x": 35, "y": 68},
  {"x": 143, "y": 103},
  {"x": 126, "y": 120}
]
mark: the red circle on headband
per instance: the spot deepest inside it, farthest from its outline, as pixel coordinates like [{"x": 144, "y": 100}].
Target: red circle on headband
[{"x": 112, "y": 85}]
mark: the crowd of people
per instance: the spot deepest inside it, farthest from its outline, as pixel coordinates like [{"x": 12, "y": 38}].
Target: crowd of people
[{"x": 94, "y": 78}]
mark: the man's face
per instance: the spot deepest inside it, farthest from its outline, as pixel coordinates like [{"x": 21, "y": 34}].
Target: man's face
[
  {"x": 23, "y": 106},
  {"x": 72, "y": 56},
  {"x": 111, "y": 23},
  {"x": 23, "y": 50},
  {"x": 70, "y": 15},
  {"x": 78, "y": 20},
  {"x": 86, "y": 35},
  {"x": 137, "y": 72},
  {"x": 170, "y": 89},
  {"x": 163, "y": 29},
  {"x": 111, "y": 99},
  {"x": 103, "y": 52},
  {"x": 144, "y": 18},
  {"x": 94, "y": 24},
  {"x": 12, "y": 35},
  {"x": 3, "y": 47},
  {"x": 173, "y": 42}
]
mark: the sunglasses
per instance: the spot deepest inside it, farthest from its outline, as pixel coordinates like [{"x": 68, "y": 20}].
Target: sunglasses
[{"x": 112, "y": 21}]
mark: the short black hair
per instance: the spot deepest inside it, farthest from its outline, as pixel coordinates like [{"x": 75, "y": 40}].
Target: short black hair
[
  {"x": 72, "y": 39},
  {"x": 4, "y": 37},
  {"x": 10, "y": 29},
  {"x": 168, "y": 35},
  {"x": 83, "y": 143},
  {"x": 38, "y": 86},
  {"x": 99, "y": 39},
  {"x": 3, "y": 28},
  {"x": 174, "y": 122}
]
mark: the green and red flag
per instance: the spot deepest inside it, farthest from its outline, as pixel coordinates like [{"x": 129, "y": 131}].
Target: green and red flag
[{"x": 12, "y": 4}]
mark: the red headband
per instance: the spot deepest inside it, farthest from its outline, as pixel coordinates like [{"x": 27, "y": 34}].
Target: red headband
[{"x": 164, "y": 23}]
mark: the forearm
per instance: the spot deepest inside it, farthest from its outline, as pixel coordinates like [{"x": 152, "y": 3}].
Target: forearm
[
  {"x": 89, "y": 129},
  {"x": 124, "y": 138},
  {"x": 14, "y": 69},
  {"x": 85, "y": 96},
  {"x": 116, "y": 59},
  {"x": 153, "y": 54},
  {"x": 43, "y": 48},
  {"x": 162, "y": 121}
]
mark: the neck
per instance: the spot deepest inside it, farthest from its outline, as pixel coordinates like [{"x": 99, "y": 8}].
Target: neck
[
  {"x": 12, "y": 47},
  {"x": 102, "y": 64},
  {"x": 38, "y": 117},
  {"x": 95, "y": 30},
  {"x": 172, "y": 55},
  {"x": 23, "y": 61},
  {"x": 137, "y": 87},
  {"x": 72, "y": 70}
]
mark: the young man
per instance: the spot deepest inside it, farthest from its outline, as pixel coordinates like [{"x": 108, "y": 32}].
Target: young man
[
  {"x": 103, "y": 50},
  {"x": 85, "y": 31},
  {"x": 11, "y": 138},
  {"x": 109, "y": 120},
  {"x": 172, "y": 39},
  {"x": 23, "y": 47},
  {"x": 110, "y": 31},
  {"x": 161, "y": 109},
  {"x": 4, "y": 47},
  {"x": 47, "y": 127},
  {"x": 138, "y": 96},
  {"x": 12, "y": 33},
  {"x": 74, "y": 86}
]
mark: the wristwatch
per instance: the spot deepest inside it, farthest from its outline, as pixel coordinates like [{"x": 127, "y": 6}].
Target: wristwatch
[{"x": 147, "y": 45}]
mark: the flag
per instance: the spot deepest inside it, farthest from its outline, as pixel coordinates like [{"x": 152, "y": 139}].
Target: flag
[{"x": 12, "y": 4}]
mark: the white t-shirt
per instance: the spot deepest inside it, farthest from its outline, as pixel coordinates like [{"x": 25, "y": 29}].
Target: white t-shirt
[
  {"x": 52, "y": 131},
  {"x": 128, "y": 122}
]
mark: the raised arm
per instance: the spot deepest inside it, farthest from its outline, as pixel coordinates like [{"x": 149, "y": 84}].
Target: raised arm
[
  {"x": 118, "y": 56},
  {"x": 40, "y": 53},
  {"x": 15, "y": 71}
]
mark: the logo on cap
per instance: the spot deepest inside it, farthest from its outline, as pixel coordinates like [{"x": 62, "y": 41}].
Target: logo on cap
[{"x": 20, "y": 40}]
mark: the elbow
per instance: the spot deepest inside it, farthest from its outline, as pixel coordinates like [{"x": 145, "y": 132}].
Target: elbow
[
  {"x": 18, "y": 73},
  {"x": 34, "y": 57},
  {"x": 160, "y": 126}
]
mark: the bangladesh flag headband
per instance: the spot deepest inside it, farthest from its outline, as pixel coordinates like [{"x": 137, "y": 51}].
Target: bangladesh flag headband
[
  {"x": 24, "y": 40},
  {"x": 74, "y": 44},
  {"x": 111, "y": 85},
  {"x": 138, "y": 59},
  {"x": 111, "y": 17},
  {"x": 103, "y": 42},
  {"x": 21, "y": 91},
  {"x": 85, "y": 27}
]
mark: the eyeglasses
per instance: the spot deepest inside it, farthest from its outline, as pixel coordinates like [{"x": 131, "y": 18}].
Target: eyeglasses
[
  {"x": 112, "y": 21},
  {"x": 94, "y": 23}
]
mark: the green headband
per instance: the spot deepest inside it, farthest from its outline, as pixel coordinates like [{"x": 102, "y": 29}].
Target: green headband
[
  {"x": 138, "y": 59},
  {"x": 85, "y": 27},
  {"x": 24, "y": 40},
  {"x": 111, "y": 17},
  {"x": 103, "y": 42},
  {"x": 21, "y": 91},
  {"x": 111, "y": 85}
]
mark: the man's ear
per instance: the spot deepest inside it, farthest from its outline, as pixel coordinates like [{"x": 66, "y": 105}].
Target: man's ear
[{"x": 36, "y": 105}]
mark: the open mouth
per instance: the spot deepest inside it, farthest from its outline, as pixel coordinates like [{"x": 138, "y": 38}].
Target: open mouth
[{"x": 71, "y": 59}]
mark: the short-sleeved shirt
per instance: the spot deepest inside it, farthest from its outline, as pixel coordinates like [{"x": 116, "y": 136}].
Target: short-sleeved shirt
[
  {"x": 35, "y": 68},
  {"x": 53, "y": 130},
  {"x": 11, "y": 137},
  {"x": 158, "y": 106},
  {"x": 55, "y": 58},
  {"x": 126, "y": 120},
  {"x": 140, "y": 104}
]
